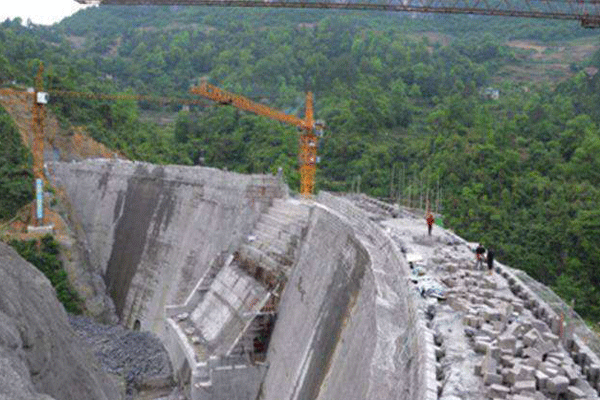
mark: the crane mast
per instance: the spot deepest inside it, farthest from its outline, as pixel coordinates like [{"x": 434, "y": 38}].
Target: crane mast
[
  {"x": 309, "y": 129},
  {"x": 39, "y": 99}
]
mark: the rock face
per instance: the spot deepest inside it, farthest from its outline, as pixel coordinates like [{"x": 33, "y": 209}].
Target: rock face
[{"x": 41, "y": 358}]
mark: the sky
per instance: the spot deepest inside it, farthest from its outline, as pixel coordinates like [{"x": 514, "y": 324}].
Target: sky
[{"x": 41, "y": 12}]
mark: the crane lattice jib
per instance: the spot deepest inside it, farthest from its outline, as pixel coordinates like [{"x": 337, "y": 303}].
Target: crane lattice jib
[
  {"x": 585, "y": 11},
  {"x": 226, "y": 98},
  {"x": 134, "y": 97}
]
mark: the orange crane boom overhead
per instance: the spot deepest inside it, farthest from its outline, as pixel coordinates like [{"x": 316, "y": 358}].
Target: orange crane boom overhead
[
  {"x": 308, "y": 138},
  {"x": 226, "y": 98}
]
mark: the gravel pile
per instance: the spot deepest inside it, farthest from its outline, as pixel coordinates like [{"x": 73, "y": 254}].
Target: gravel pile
[{"x": 138, "y": 357}]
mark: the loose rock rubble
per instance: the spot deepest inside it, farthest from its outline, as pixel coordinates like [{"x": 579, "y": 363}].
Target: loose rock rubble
[
  {"x": 494, "y": 338},
  {"x": 137, "y": 357},
  {"x": 522, "y": 358}
]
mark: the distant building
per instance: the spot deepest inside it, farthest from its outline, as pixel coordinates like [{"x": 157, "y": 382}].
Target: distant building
[
  {"x": 590, "y": 71},
  {"x": 491, "y": 93}
]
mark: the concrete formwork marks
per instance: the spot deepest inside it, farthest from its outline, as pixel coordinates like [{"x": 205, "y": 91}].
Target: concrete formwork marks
[
  {"x": 342, "y": 293},
  {"x": 103, "y": 181},
  {"x": 318, "y": 319},
  {"x": 141, "y": 199},
  {"x": 397, "y": 368}
]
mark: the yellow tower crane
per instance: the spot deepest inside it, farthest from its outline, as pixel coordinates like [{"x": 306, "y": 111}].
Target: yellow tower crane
[
  {"x": 38, "y": 99},
  {"x": 31, "y": 135},
  {"x": 310, "y": 129}
]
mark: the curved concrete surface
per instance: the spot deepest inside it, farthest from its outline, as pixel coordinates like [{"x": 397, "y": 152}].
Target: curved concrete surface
[
  {"x": 346, "y": 323},
  {"x": 324, "y": 329}
]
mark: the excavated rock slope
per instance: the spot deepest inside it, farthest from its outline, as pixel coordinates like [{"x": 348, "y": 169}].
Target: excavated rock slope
[{"x": 41, "y": 358}]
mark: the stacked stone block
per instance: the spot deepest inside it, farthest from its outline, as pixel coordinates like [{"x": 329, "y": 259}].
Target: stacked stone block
[{"x": 523, "y": 357}]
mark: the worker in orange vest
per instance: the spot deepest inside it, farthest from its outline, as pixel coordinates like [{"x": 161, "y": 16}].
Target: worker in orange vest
[{"x": 430, "y": 220}]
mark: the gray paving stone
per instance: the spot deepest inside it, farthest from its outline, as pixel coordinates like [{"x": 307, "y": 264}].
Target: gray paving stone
[
  {"x": 572, "y": 374},
  {"x": 522, "y": 397},
  {"x": 498, "y": 391},
  {"x": 507, "y": 361},
  {"x": 544, "y": 347},
  {"x": 494, "y": 352},
  {"x": 557, "y": 385},
  {"x": 527, "y": 386},
  {"x": 519, "y": 348},
  {"x": 508, "y": 342},
  {"x": 548, "y": 369},
  {"x": 489, "y": 365},
  {"x": 528, "y": 371},
  {"x": 519, "y": 373},
  {"x": 491, "y": 314},
  {"x": 541, "y": 379},
  {"x": 480, "y": 345},
  {"x": 540, "y": 326},
  {"x": 530, "y": 338},
  {"x": 550, "y": 337},
  {"x": 518, "y": 306},
  {"x": 532, "y": 356},
  {"x": 554, "y": 360},
  {"x": 594, "y": 372},
  {"x": 492, "y": 378},
  {"x": 489, "y": 331},
  {"x": 574, "y": 393}
]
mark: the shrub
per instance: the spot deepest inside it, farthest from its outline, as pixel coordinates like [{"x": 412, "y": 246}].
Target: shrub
[{"x": 44, "y": 255}]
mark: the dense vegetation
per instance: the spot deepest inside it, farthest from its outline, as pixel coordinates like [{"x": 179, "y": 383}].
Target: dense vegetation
[
  {"x": 519, "y": 173},
  {"x": 44, "y": 254},
  {"x": 16, "y": 178}
]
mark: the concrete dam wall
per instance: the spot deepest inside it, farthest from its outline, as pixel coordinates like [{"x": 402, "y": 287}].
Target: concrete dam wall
[
  {"x": 213, "y": 248},
  {"x": 322, "y": 345},
  {"x": 152, "y": 231},
  {"x": 258, "y": 296}
]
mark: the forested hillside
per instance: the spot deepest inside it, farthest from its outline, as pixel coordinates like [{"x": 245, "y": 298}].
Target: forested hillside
[
  {"x": 16, "y": 177},
  {"x": 402, "y": 97}
]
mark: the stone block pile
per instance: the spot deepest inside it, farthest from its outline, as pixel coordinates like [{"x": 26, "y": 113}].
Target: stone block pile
[{"x": 523, "y": 357}]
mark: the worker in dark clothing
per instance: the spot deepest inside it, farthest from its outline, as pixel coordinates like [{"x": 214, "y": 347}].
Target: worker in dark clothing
[
  {"x": 430, "y": 220},
  {"x": 479, "y": 255},
  {"x": 490, "y": 260}
]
